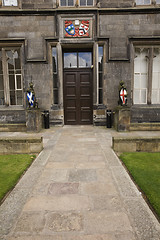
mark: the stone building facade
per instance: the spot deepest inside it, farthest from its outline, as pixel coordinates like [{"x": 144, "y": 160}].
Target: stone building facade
[{"x": 76, "y": 52}]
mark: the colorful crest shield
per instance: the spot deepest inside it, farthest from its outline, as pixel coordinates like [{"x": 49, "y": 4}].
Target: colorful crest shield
[
  {"x": 83, "y": 29},
  {"x": 70, "y": 29}
]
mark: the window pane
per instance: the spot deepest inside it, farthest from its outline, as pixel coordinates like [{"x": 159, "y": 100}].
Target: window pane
[
  {"x": 54, "y": 57},
  {"x": 137, "y": 80},
  {"x": 155, "y": 96},
  {"x": 1, "y": 82},
  {"x": 100, "y": 74},
  {"x": 100, "y": 80},
  {"x": 157, "y": 1},
  {"x": 155, "y": 80},
  {"x": 100, "y": 58},
  {"x": 55, "y": 81},
  {"x": 18, "y": 79},
  {"x": 70, "y": 60},
  {"x": 19, "y": 98},
  {"x": 144, "y": 81},
  {"x": 85, "y": 59},
  {"x": 82, "y": 2},
  {"x": 1, "y": 69},
  {"x": 55, "y": 93},
  {"x": 63, "y": 2},
  {"x": 70, "y": 2},
  {"x": 147, "y": 2},
  {"x": 139, "y": 2},
  {"x": 10, "y": 3},
  {"x": 137, "y": 64},
  {"x": 100, "y": 96},
  {"x": 136, "y": 96},
  {"x": 143, "y": 2},
  {"x": 89, "y": 2},
  {"x": 10, "y": 61},
  {"x": 143, "y": 63},
  {"x": 143, "y": 96},
  {"x": 55, "y": 76},
  {"x": 11, "y": 82},
  {"x": 1, "y": 91},
  {"x": 156, "y": 77},
  {"x": 1, "y": 97},
  {"x": 12, "y": 98},
  {"x": 17, "y": 59}
]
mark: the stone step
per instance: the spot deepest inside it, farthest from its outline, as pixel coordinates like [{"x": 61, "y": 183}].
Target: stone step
[
  {"x": 8, "y": 127},
  {"x": 145, "y": 126}
]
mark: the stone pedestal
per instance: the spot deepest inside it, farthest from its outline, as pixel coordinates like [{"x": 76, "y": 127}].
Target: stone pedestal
[
  {"x": 122, "y": 119},
  {"x": 33, "y": 120}
]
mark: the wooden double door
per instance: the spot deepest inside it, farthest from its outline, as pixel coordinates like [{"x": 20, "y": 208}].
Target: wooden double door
[{"x": 78, "y": 96}]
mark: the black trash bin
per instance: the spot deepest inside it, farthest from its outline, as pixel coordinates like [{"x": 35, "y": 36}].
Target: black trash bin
[
  {"x": 109, "y": 118},
  {"x": 46, "y": 119}
]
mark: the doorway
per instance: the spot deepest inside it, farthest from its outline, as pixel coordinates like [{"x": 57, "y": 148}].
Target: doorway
[{"x": 78, "y": 88}]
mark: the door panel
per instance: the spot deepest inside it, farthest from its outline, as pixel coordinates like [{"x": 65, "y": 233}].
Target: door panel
[{"x": 78, "y": 97}]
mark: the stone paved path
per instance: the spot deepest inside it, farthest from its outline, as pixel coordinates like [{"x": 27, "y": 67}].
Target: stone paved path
[{"x": 77, "y": 189}]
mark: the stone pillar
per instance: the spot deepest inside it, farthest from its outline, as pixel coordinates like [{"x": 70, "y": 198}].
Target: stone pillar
[
  {"x": 33, "y": 120},
  {"x": 122, "y": 119}
]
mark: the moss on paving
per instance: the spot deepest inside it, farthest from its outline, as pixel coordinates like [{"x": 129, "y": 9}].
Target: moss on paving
[
  {"x": 11, "y": 169},
  {"x": 145, "y": 170}
]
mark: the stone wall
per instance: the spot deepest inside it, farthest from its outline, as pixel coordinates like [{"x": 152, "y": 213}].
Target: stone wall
[
  {"x": 17, "y": 145},
  {"x": 116, "y": 3},
  {"x": 116, "y": 28},
  {"x": 145, "y": 114},
  {"x": 12, "y": 116},
  {"x": 40, "y": 4},
  {"x": 136, "y": 144}
]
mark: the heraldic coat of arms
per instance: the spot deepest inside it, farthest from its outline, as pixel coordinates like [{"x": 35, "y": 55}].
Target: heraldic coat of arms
[
  {"x": 77, "y": 28},
  {"x": 122, "y": 94}
]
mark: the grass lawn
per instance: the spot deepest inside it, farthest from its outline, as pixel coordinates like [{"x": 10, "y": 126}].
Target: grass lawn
[
  {"x": 145, "y": 170},
  {"x": 11, "y": 169}
]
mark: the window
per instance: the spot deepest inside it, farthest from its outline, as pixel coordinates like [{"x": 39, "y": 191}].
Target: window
[
  {"x": 70, "y": 3},
  {"x": 86, "y": 2},
  {"x": 143, "y": 2},
  {"x": 158, "y": 1},
  {"x": 55, "y": 76},
  {"x": 147, "y": 76},
  {"x": 140, "y": 76},
  {"x": 64, "y": 3},
  {"x": 78, "y": 59},
  {"x": 11, "y": 90},
  {"x": 10, "y": 3},
  {"x": 100, "y": 74},
  {"x": 156, "y": 77}
]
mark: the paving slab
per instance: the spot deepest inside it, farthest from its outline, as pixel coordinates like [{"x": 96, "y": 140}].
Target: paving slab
[{"x": 77, "y": 189}]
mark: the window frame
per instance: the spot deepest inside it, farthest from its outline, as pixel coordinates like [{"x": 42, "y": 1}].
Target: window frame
[
  {"x": 76, "y": 3},
  {"x": 6, "y": 74},
  {"x": 150, "y": 73},
  {"x": 99, "y": 71},
  {"x": 144, "y": 4},
  {"x": 86, "y": 4},
  {"x": 55, "y": 89},
  {"x": 9, "y": 6}
]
